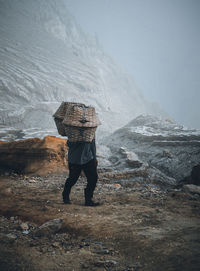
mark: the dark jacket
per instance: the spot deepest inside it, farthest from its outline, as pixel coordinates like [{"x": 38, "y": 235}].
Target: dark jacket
[{"x": 81, "y": 152}]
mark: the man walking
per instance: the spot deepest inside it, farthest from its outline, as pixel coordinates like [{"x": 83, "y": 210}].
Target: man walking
[
  {"x": 79, "y": 123},
  {"x": 81, "y": 156}
]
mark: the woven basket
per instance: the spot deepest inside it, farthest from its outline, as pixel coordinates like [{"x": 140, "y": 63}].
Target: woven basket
[
  {"x": 81, "y": 116},
  {"x": 62, "y": 109},
  {"x": 60, "y": 126},
  {"x": 76, "y": 121},
  {"x": 76, "y": 134},
  {"x": 60, "y": 114}
]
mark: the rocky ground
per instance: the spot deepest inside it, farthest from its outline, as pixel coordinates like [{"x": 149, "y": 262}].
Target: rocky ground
[{"x": 138, "y": 226}]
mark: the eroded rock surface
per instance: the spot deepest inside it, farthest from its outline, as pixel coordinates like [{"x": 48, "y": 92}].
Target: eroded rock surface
[{"x": 34, "y": 156}]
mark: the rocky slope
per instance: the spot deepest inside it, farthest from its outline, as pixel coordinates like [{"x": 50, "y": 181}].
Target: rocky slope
[
  {"x": 147, "y": 149},
  {"x": 48, "y": 156},
  {"x": 155, "y": 142},
  {"x": 47, "y": 58}
]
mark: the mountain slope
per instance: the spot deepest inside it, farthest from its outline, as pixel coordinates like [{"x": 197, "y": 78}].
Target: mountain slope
[{"x": 47, "y": 58}]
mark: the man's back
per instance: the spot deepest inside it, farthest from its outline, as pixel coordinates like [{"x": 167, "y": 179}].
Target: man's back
[{"x": 81, "y": 152}]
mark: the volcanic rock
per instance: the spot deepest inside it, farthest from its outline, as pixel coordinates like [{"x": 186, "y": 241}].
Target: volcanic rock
[
  {"x": 49, "y": 227},
  {"x": 193, "y": 178},
  {"x": 34, "y": 156},
  {"x": 157, "y": 142},
  {"x": 131, "y": 158},
  {"x": 191, "y": 188},
  {"x": 9, "y": 238},
  {"x": 195, "y": 175},
  {"x": 24, "y": 226}
]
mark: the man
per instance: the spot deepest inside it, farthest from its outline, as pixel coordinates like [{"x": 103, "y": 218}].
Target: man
[{"x": 81, "y": 156}]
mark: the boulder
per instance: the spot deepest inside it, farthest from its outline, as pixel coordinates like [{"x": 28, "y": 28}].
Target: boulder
[
  {"x": 191, "y": 188},
  {"x": 24, "y": 226},
  {"x": 193, "y": 178},
  {"x": 131, "y": 158},
  {"x": 195, "y": 175},
  {"x": 8, "y": 238},
  {"x": 34, "y": 156},
  {"x": 49, "y": 227}
]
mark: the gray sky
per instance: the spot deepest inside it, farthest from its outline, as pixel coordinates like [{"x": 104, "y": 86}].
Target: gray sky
[{"x": 157, "y": 42}]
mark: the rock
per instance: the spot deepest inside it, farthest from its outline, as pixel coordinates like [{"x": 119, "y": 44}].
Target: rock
[
  {"x": 11, "y": 236},
  {"x": 56, "y": 244},
  {"x": 124, "y": 174},
  {"x": 24, "y": 226},
  {"x": 195, "y": 175},
  {"x": 158, "y": 142},
  {"x": 193, "y": 178},
  {"x": 7, "y": 191},
  {"x": 134, "y": 266},
  {"x": 134, "y": 163},
  {"x": 49, "y": 227},
  {"x": 110, "y": 263},
  {"x": 8, "y": 238},
  {"x": 103, "y": 252},
  {"x": 26, "y": 232},
  {"x": 147, "y": 174},
  {"x": 34, "y": 156},
  {"x": 54, "y": 224},
  {"x": 32, "y": 181},
  {"x": 132, "y": 158},
  {"x": 195, "y": 197},
  {"x": 117, "y": 185},
  {"x": 191, "y": 188}
]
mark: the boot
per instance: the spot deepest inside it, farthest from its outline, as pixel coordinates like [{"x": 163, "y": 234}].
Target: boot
[
  {"x": 65, "y": 194},
  {"x": 88, "y": 199},
  {"x": 92, "y": 203},
  {"x": 67, "y": 201}
]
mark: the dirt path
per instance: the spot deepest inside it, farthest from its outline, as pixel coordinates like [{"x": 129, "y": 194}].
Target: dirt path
[{"x": 137, "y": 227}]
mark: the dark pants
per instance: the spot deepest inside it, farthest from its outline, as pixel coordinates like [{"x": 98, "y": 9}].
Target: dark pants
[{"x": 90, "y": 170}]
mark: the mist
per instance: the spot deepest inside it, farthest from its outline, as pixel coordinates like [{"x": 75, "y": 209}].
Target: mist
[
  {"x": 157, "y": 42},
  {"x": 136, "y": 62},
  {"x": 126, "y": 59}
]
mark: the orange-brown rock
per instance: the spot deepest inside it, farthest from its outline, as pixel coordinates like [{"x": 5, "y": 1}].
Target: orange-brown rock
[{"x": 34, "y": 156}]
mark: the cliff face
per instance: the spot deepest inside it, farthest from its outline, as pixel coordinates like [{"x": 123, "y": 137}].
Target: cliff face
[
  {"x": 34, "y": 156},
  {"x": 47, "y": 58}
]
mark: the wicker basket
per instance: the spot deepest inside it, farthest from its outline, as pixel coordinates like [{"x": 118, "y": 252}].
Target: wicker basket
[
  {"x": 76, "y": 121},
  {"x": 62, "y": 109},
  {"x": 60, "y": 114},
  {"x": 81, "y": 116},
  {"x": 77, "y": 134},
  {"x": 60, "y": 126}
]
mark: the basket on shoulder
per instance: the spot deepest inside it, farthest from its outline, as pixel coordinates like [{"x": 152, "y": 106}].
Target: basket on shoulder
[{"x": 76, "y": 121}]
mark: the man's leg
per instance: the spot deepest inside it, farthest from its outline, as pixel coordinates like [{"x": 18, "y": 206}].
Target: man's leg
[
  {"x": 74, "y": 173},
  {"x": 90, "y": 170}
]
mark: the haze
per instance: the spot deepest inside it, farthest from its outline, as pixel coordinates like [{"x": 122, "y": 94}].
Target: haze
[{"x": 157, "y": 42}]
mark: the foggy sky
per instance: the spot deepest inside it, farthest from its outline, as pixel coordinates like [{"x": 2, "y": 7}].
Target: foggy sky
[{"x": 157, "y": 42}]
